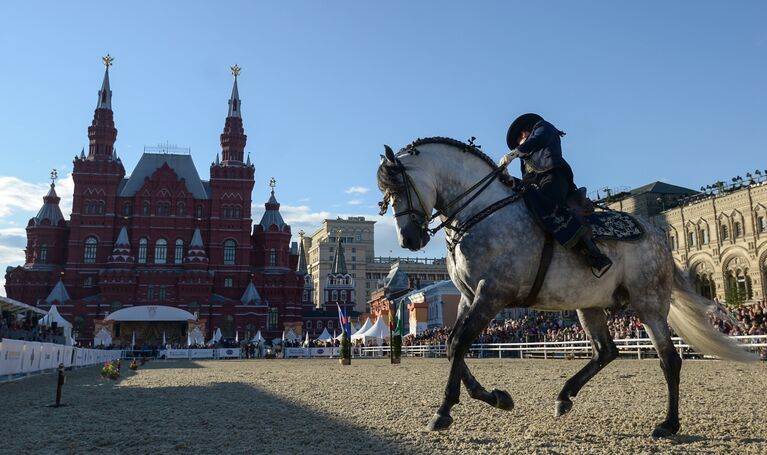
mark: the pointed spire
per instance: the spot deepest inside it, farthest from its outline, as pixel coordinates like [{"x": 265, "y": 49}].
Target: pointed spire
[
  {"x": 196, "y": 255},
  {"x": 58, "y": 293},
  {"x": 339, "y": 261},
  {"x": 218, "y": 160},
  {"x": 121, "y": 253},
  {"x": 105, "y": 94},
  {"x": 234, "y": 100},
  {"x": 248, "y": 162},
  {"x": 233, "y": 139},
  {"x": 272, "y": 215},
  {"x": 82, "y": 154},
  {"x": 102, "y": 132},
  {"x": 251, "y": 295},
  {"x": 301, "y": 268},
  {"x": 50, "y": 210}
]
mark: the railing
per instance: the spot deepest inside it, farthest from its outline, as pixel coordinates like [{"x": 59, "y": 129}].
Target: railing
[{"x": 629, "y": 347}]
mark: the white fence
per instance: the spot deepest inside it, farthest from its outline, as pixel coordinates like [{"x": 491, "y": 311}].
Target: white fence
[
  {"x": 22, "y": 358},
  {"x": 220, "y": 353},
  {"x": 634, "y": 347}
]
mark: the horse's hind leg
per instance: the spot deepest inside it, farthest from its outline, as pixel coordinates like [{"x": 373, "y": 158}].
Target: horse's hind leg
[
  {"x": 657, "y": 327},
  {"x": 594, "y": 322},
  {"x": 467, "y": 327}
]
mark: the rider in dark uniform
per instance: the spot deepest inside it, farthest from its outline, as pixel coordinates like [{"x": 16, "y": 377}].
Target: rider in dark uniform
[{"x": 548, "y": 181}]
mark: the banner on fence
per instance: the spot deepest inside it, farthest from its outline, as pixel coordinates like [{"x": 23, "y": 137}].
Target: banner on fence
[
  {"x": 228, "y": 353},
  {"x": 20, "y": 357}
]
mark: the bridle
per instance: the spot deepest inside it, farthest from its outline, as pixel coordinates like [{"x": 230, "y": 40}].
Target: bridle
[{"x": 415, "y": 213}]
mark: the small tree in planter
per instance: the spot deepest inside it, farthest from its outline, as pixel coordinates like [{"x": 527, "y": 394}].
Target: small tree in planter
[{"x": 346, "y": 353}]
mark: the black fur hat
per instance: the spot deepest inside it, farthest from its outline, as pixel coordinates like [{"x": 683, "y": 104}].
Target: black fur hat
[{"x": 522, "y": 123}]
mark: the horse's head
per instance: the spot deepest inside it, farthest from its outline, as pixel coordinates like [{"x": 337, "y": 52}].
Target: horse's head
[{"x": 411, "y": 195}]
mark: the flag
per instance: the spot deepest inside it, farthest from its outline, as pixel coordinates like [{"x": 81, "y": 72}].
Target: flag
[
  {"x": 341, "y": 317},
  {"x": 391, "y": 319},
  {"x": 399, "y": 326},
  {"x": 133, "y": 340},
  {"x": 163, "y": 339}
]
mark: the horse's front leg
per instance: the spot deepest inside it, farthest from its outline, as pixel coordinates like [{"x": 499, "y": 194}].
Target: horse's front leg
[{"x": 465, "y": 331}]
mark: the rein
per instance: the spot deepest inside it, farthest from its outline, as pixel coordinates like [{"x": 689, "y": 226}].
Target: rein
[{"x": 460, "y": 230}]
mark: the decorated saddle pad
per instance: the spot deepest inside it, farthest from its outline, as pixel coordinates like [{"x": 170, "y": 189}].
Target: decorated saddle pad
[{"x": 609, "y": 225}]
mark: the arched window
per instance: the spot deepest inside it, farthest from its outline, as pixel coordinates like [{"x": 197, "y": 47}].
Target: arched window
[
  {"x": 334, "y": 296},
  {"x": 146, "y": 208},
  {"x": 230, "y": 248},
  {"x": 90, "y": 250},
  {"x": 236, "y": 213},
  {"x": 160, "y": 251},
  {"x": 343, "y": 295},
  {"x": 127, "y": 209},
  {"x": 319, "y": 325},
  {"x": 199, "y": 211},
  {"x": 178, "y": 255},
  {"x": 42, "y": 258},
  {"x": 273, "y": 257},
  {"x": 272, "y": 319},
  {"x": 142, "y": 246},
  {"x": 180, "y": 208},
  {"x": 725, "y": 232}
]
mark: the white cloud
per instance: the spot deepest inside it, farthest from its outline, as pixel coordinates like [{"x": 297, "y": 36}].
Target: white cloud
[
  {"x": 355, "y": 202},
  {"x": 17, "y": 195},
  {"x": 357, "y": 189}
]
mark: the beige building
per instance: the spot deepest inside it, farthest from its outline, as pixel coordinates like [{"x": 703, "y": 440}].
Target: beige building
[
  {"x": 718, "y": 236},
  {"x": 368, "y": 271}
]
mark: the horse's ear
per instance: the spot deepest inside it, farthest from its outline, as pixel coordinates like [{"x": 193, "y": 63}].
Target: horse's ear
[{"x": 389, "y": 154}]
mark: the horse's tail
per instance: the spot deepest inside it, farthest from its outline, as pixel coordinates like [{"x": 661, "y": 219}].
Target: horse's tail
[{"x": 688, "y": 316}]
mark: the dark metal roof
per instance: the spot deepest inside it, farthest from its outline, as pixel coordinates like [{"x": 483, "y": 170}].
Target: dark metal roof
[
  {"x": 182, "y": 165},
  {"x": 662, "y": 188}
]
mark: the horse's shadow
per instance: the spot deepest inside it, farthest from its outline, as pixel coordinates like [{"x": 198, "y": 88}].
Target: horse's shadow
[{"x": 675, "y": 439}]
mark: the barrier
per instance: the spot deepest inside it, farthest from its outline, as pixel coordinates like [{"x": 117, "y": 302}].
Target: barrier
[
  {"x": 188, "y": 354},
  {"x": 634, "y": 347},
  {"x": 23, "y": 358},
  {"x": 312, "y": 352}
]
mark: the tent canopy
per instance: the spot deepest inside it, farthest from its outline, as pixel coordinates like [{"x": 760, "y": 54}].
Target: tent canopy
[
  {"x": 358, "y": 334},
  {"x": 54, "y": 316},
  {"x": 378, "y": 330},
  {"x": 291, "y": 336},
  {"x": 258, "y": 337},
  {"x": 14, "y": 306},
  {"x": 150, "y": 313},
  {"x": 325, "y": 336}
]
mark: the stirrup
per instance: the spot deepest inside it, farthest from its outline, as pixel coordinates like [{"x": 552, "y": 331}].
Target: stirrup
[{"x": 603, "y": 265}]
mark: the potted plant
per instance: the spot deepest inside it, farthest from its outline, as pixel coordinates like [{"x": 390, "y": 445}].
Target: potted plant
[{"x": 346, "y": 356}]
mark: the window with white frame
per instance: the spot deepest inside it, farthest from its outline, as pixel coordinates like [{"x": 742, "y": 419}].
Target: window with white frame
[
  {"x": 90, "y": 250},
  {"x": 178, "y": 254},
  {"x": 142, "y": 247},
  {"x": 160, "y": 251}
]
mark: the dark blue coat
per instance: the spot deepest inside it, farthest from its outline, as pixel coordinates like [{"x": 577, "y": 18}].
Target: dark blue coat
[{"x": 542, "y": 151}]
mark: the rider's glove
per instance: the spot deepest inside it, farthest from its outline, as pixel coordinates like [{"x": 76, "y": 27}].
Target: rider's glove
[{"x": 506, "y": 160}]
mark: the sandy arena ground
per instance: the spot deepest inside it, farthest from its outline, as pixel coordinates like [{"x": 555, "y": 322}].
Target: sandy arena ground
[{"x": 371, "y": 407}]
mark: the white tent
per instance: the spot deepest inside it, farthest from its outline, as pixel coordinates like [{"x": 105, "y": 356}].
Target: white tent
[
  {"x": 291, "y": 336},
  {"x": 258, "y": 338},
  {"x": 103, "y": 338},
  {"x": 358, "y": 334},
  {"x": 54, "y": 316},
  {"x": 195, "y": 337},
  {"x": 379, "y": 331},
  {"x": 306, "y": 343},
  {"x": 325, "y": 336}
]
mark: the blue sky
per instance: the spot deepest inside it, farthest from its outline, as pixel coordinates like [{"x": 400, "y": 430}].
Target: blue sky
[{"x": 671, "y": 91}]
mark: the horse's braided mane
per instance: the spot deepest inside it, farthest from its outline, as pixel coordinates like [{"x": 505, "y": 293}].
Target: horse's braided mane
[
  {"x": 470, "y": 148},
  {"x": 389, "y": 178}
]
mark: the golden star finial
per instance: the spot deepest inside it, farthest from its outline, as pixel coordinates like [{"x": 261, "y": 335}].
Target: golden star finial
[
  {"x": 236, "y": 70},
  {"x": 108, "y": 59}
]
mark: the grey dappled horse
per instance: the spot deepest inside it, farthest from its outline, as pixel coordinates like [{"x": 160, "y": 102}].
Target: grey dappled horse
[{"x": 494, "y": 263}]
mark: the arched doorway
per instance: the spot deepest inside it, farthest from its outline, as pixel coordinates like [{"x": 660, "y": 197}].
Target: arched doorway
[{"x": 702, "y": 276}]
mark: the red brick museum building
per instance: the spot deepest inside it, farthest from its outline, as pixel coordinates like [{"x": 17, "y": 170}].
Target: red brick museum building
[{"x": 163, "y": 237}]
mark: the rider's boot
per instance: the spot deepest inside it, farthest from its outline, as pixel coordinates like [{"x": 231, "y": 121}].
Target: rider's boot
[{"x": 598, "y": 261}]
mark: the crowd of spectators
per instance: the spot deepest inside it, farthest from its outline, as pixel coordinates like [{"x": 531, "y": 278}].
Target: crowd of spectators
[
  {"x": 28, "y": 330},
  {"x": 545, "y": 326}
]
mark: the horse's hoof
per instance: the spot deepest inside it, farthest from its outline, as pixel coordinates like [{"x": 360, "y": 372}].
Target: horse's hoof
[
  {"x": 665, "y": 430},
  {"x": 439, "y": 423},
  {"x": 503, "y": 400},
  {"x": 562, "y": 407}
]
